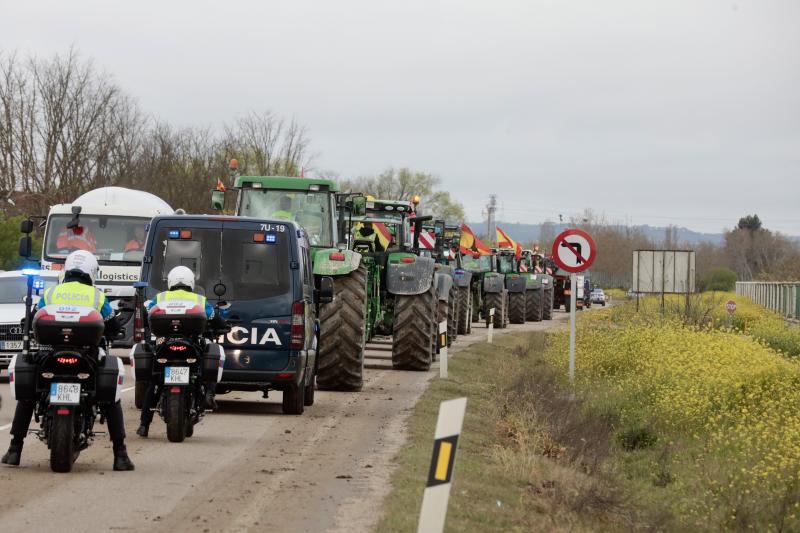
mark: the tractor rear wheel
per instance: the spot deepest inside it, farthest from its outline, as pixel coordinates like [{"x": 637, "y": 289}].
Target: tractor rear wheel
[
  {"x": 535, "y": 305},
  {"x": 516, "y": 308},
  {"x": 414, "y": 330},
  {"x": 496, "y": 300},
  {"x": 341, "y": 336},
  {"x": 547, "y": 305},
  {"x": 464, "y": 310},
  {"x": 452, "y": 316}
]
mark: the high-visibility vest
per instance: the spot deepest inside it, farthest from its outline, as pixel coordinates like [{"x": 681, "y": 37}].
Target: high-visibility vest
[
  {"x": 180, "y": 294},
  {"x": 75, "y": 293},
  {"x": 283, "y": 215}
]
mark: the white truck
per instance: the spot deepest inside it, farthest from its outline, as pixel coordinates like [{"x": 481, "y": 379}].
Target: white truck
[{"x": 112, "y": 223}]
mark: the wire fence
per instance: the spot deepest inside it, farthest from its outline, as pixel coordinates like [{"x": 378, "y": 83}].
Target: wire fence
[{"x": 781, "y": 297}]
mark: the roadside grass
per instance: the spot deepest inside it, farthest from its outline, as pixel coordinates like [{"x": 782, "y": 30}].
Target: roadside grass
[
  {"x": 527, "y": 458},
  {"x": 676, "y": 422}
]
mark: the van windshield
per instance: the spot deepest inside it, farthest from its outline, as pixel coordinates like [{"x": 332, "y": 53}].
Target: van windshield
[
  {"x": 110, "y": 238},
  {"x": 249, "y": 269}
]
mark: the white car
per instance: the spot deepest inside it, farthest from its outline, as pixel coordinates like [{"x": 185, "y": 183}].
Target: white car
[
  {"x": 598, "y": 297},
  {"x": 13, "y": 288}
]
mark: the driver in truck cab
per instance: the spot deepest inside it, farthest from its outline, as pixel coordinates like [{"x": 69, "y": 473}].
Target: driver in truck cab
[
  {"x": 77, "y": 238},
  {"x": 180, "y": 283},
  {"x": 80, "y": 269}
]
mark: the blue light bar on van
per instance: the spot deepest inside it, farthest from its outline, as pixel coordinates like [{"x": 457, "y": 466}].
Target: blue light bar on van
[
  {"x": 270, "y": 238},
  {"x": 174, "y": 234}
]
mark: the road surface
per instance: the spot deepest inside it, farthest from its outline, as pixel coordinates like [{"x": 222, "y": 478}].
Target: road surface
[{"x": 247, "y": 468}]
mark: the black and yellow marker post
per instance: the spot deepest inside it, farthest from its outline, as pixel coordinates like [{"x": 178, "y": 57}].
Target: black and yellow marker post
[{"x": 440, "y": 474}]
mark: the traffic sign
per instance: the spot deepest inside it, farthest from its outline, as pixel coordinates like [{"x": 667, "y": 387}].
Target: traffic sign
[
  {"x": 731, "y": 307},
  {"x": 574, "y": 250}
]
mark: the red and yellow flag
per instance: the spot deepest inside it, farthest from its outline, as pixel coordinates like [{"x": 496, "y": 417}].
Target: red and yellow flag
[
  {"x": 220, "y": 185},
  {"x": 384, "y": 235},
  {"x": 472, "y": 245},
  {"x": 504, "y": 241}
]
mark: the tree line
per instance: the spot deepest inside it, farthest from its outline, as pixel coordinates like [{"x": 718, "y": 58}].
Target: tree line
[{"x": 67, "y": 127}]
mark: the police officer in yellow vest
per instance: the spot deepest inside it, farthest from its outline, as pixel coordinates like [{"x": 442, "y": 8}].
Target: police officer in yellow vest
[
  {"x": 180, "y": 281},
  {"x": 80, "y": 270},
  {"x": 285, "y": 211}
]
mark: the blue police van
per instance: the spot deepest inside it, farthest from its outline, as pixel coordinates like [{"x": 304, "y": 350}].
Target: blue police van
[{"x": 261, "y": 271}]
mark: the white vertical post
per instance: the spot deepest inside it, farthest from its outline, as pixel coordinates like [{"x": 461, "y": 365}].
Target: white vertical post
[
  {"x": 573, "y": 297},
  {"x": 442, "y": 340},
  {"x": 440, "y": 473},
  {"x": 491, "y": 325}
]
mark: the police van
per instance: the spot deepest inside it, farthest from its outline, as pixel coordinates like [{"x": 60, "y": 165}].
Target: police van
[{"x": 262, "y": 269}]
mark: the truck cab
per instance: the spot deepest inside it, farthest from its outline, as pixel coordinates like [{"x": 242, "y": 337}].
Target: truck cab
[
  {"x": 111, "y": 223},
  {"x": 262, "y": 269}
]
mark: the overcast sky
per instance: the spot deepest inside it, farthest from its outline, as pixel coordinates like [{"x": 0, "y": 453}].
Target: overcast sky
[{"x": 671, "y": 111}]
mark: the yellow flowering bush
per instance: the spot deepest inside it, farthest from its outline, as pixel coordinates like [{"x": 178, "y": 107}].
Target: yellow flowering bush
[{"x": 726, "y": 407}]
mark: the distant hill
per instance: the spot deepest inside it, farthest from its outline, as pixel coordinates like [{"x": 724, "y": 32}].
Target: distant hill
[{"x": 531, "y": 232}]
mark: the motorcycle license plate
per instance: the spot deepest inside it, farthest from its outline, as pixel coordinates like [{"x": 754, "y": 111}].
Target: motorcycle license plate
[
  {"x": 65, "y": 393},
  {"x": 176, "y": 375}
]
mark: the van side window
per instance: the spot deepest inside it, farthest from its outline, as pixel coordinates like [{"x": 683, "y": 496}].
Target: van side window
[{"x": 305, "y": 263}]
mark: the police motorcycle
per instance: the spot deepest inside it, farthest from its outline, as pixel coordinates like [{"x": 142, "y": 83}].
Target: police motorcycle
[
  {"x": 71, "y": 381},
  {"x": 182, "y": 361}
]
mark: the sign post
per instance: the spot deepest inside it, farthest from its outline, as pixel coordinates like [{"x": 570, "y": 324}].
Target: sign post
[
  {"x": 731, "y": 308},
  {"x": 574, "y": 250}
]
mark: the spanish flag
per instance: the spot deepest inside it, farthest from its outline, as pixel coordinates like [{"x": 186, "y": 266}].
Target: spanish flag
[
  {"x": 504, "y": 241},
  {"x": 472, "y": 245},
  {"x": 220, "y": 185}
]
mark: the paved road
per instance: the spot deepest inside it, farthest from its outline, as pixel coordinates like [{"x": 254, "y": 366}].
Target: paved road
[{"x": 247, "y": 468}]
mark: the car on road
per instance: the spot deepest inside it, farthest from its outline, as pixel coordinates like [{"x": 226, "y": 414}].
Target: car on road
[
  {"x": 13, "y": 289},
  {"x": 598, "y": 297},
  {"x": 262, "y": 268}
]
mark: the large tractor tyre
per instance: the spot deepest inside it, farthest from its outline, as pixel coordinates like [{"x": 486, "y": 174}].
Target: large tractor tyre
[
  {"x": 414, "y": 331},
  {"x": 547, "y": 305},
  {"x": 535, "y": 305},
  {"x": 294, "y": 399},
  {"x": 465, "y": 313},
  {"x": 62, "y": 442},
  {"x": 341, "y": 344},
  {"x": 176, "y": 416},
  {"x": 516, "y": 308},
  {"x": 497, "y": 301},
  {"x": 139, "y": 393},
  {"x": 452, "y": 316}
]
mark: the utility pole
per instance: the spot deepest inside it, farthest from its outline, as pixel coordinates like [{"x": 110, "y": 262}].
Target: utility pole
[{"x": 491, "y": 209}]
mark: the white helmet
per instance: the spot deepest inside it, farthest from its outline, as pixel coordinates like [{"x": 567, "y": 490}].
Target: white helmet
[
  {"x": 82, "y": 261},
  {"x": 180, "y": 275}
]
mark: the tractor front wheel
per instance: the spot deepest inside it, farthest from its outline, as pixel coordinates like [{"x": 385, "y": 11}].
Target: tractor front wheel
[
  {"x": 414, "y": 330},
  {"x": 516, "y": 309}
]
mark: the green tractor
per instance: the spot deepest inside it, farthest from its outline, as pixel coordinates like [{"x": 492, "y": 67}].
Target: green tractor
[
  {"x": 538, "y": 289},
  {"x": 477, "y": 268},
  {"x": 440, "y": 248},
  {"x": 462, "y": 278},
  {"x": 326, "y": 217},
  {"x": 402, "y": 283},
  {"x": 516, "y": 284}
]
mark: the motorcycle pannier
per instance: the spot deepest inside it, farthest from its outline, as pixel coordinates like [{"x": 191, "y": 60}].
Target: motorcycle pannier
[
  {"x": 177, "y": 318},
  {"x": 142, "y": 362},
  {"x": 108, "y": 374},
  {"x": 212, "y": 362},
  {"x": 68, "y": 325},
  {"x": 22, "y": 378}
]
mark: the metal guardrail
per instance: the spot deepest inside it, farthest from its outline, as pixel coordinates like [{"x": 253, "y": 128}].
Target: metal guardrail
[{"x": 781, "y": 297}]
